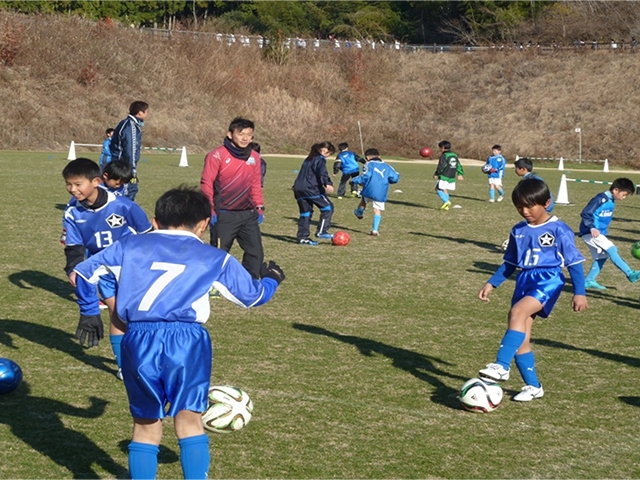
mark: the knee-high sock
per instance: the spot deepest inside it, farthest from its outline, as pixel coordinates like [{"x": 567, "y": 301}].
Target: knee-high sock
[
  {"x": 194, "y": 456},
  {"x": 443, "y": 196},
  {"x": 376, "y": 222},
  {"x": 595, "y": 269},
  {"x": 508, "y": 347},
  {"x": 143, "y": 460},
  {"x": 492, "y": 193},
  {"x": 618, "y": 261},
  {"x": 526, "y": 364},
  {"x": 116, "y": 340}
]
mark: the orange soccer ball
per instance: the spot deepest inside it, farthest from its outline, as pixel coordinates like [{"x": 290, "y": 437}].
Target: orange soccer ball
[
  {"x": 425, "y": 152},
  {"x": 340, "y": 239}
]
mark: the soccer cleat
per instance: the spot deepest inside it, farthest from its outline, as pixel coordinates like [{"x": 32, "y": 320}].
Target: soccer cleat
[
  {"x": 359, "y": 213},
  {"x": 595, "y": 285},
  {"x": 500, "y": 198},
  {"x": 633, "y": 276},
  {"x": 307, "y": 241},
  {"x": 119, "y": 374},
  {"x": 354, "y": 194},
  {"x": 445, "y": 205},
  {"x": 103, "y": 305},
  {"x": 528, "y": 393},
  {"x": 339, "y": 198},
  {"x": 324, "y": 236},
  {"x": 214, "y": 293},
  {"x": 491, "y": 200},
  {"x": 495, "y": 371},
  {"x": 374, "y": 233}
]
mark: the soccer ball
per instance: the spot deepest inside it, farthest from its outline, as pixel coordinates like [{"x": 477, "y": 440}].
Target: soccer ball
[
  {"x": 229, "y": 410},
  {"x": 10, "y": 375},
  {"x": 341, "y": 238},
  {"x": 504, "y": 245},
  {"x": 635, "y": 250},
  {"x": 486, "y": 168},
  {"x": 480, "y": 395},
  {"x": 425, "y": 152}
]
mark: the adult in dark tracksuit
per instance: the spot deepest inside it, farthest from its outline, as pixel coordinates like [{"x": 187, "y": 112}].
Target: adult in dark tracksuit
[
  {"x": 310, "y": 187},
  {"x": 231, "y": 180},
  {"x": 126, "y": 142}
]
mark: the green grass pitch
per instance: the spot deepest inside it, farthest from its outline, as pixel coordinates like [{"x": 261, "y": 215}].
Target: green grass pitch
[{"x": 355, "y": 365}]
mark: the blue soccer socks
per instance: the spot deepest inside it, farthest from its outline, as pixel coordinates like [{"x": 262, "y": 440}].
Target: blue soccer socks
[
  {"x": 492, "y": 194},
  {"x": 116, "y": 340},
  {"x": 143, "y": 460},
  {"x": 443, "y": 196},
  {"x": 618, "y": 261},
  {"x": 526, "y": 364},
  {"x": 376, "y": 223},
  {"x": 509, "y": 345},
  {"x": 595, "y": 269},
  {"x": 194, "y": 456}
]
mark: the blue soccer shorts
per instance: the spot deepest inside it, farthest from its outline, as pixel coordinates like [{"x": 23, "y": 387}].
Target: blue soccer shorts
[
  {"x": 166, "y": 363},
  {"x": 543, "y": 284}
]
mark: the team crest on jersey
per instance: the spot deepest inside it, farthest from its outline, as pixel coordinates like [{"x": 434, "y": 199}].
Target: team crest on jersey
[
  {"x": 115, "y": 221},
  {"x": 546, "y": 240},
  {"x": 251, "y": 161}
]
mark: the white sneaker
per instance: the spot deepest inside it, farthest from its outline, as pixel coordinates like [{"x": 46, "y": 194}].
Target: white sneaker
[
  {"x": 495, "y": 371},
  {"x": 119, "y": 374},
  {"x": 528, "y": 393},
  {"x": 500, "y": 198},
  {"x": 491, "y": 200}
]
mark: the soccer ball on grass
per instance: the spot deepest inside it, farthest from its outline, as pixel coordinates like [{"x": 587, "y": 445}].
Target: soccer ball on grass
[
  {"x": 341, "y": 238},
  {"x": 635, "y": 250},
  {"x": 10, "y": 375},
  {"x": 229, "y": 410},
  {"x": 480, "y": 395}
]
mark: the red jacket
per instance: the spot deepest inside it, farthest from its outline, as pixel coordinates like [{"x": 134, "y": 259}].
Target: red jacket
[{"x": 231, "y": 183}]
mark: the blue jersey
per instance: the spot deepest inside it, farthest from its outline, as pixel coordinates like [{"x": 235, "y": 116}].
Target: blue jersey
[
  {"x": 598, "y": 214},
  {"x": 166, "y": 275},
  {"x": 376, "y": 179},
  {"x": 497, "y": 163},
  {"x": 550, "y": 245},
  {"x": 348, "y": 162},
  {"x": 100, "y": 228},
  {"x": 105, "y": 155}
]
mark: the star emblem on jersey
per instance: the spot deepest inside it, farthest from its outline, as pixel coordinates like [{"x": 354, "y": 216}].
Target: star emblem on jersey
[
  {"x": 115, "y": 221},
  {"x": 546, "y": 240}
]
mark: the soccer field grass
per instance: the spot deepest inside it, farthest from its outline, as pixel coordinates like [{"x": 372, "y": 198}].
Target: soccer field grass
[{"x": 355, "y": 364}]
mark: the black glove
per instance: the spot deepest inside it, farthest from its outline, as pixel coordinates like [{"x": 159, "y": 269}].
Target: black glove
[
  {"x": 272, "y": 270},
  {"x": 91, "y": 329}
]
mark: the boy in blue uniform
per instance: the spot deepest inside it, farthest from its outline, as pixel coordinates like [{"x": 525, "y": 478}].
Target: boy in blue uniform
[
  {"x": 448, "y": 170},
  {"x": 376, "y": 180},
  {"x": 494, "y": 168},
  {"x": 164, "y": 279},
  {"x": 94, "y": 220},
  {"x": 310, "y": 189},
  {"x": 540, "y": 246},
  {"x": 594, "y": 227},
  {"x": 347, "y": 162},
  {"x": 105, "y": 155}
]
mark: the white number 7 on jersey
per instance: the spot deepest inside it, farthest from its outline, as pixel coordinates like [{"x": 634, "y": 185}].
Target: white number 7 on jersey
[{"x": 171, "y": 271}]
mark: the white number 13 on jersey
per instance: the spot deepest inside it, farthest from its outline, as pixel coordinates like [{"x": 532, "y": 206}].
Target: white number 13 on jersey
[{"x": 171, "y": 271}]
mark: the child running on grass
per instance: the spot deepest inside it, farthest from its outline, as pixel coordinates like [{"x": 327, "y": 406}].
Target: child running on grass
[{"x": 448, "y": 170}]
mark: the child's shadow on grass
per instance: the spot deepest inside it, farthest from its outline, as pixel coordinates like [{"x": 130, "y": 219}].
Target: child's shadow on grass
[
  {"x": 420, "y": 366},
  {"x": 51, "y": 338},
  {"x": 37, "y": 421},
  {"x": 462, "y": 241},
  {"x": 29, "y": 279},
  {"x": 614, "y": 357}
]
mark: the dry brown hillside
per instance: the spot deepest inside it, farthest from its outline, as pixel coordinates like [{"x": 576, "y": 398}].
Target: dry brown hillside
[{"x": 66, "y": 79}]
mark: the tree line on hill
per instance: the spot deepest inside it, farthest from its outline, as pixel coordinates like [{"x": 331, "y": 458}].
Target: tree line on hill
[{"x": 417, "y": 22}]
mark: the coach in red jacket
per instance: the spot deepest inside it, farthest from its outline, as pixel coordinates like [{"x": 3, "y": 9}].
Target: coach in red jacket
[{"x": 231, "y": 181}]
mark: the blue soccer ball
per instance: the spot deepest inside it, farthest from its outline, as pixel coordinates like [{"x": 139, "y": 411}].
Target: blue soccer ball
[{"x": 10, "y": 375}]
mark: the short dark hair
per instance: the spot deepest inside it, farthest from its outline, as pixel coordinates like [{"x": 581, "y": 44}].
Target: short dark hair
[
  {"x": 108, "y": 131},
  {"x": 624, "y": 185},
  {"x": 371, "y": 152},
  {"x": 82, "y": 167},
  {"x": 119, "y": 170},
  {"x": 530, "y": 192},
  {"x": 138, "y": 106},
  {"x": 496, "y": 147},
  {"x": 239, "y": 124},
  {"x": 183, "y": 206},
  {"x": 524, "y": 162},
  {"x": 446, "y": 144},
  {"x": 343, "y": 146}
]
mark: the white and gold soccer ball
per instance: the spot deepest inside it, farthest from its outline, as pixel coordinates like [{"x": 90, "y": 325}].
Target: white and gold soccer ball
[
  {"x": 480, "y": 395},
  {"x": 230, "y": 409}
]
